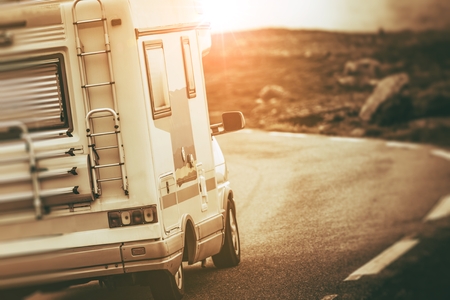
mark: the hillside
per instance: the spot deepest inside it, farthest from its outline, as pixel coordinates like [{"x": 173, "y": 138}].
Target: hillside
[{"x": 294, "y": 81}]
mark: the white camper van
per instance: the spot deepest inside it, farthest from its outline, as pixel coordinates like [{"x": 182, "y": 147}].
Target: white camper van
[{"x": 109, "y": 169}]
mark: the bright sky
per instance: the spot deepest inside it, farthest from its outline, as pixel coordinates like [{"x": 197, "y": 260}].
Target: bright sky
[{"x": 347, "y": 15}]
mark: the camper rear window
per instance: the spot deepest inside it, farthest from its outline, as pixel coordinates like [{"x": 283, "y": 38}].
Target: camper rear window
[
  {"x": 157, "y": 77},
  {"x": 34, "y": 92}
]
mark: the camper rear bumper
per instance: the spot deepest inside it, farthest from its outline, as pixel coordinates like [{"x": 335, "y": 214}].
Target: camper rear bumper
[{"x": 89, "y": 263}]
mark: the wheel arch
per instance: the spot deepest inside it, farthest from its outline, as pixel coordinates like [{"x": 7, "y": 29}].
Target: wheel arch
[
  {"x": 228, "y": 196},
  {"x": 190, "y": 239}
]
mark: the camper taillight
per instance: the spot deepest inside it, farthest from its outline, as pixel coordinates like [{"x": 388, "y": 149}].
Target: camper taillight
[{"x": 137, "y": 216}]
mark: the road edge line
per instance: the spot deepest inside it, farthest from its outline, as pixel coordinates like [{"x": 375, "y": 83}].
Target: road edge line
[
  {"x": 402, "y": 145},
  {"x": 441, "y": 153},
  {"x": 384, "y": 259}
]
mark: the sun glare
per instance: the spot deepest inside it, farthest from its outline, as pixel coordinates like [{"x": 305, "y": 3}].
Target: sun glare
[
  {"x": 223, "y": 15},
  {"x": 342, "y": 15},
  {"x": 250, "y": 14}
]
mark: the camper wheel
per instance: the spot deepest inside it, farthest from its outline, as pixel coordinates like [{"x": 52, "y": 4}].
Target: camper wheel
[
  {"x": 230, "y": 254},
  {"x": 164, "y": 285}
]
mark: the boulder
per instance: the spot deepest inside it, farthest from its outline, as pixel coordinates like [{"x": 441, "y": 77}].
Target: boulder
[
  {"x": 270, "y": 104},
  {"x": 358, "y": 132},
  {"x": 389, "y": 102},
  {"x": 360, "y": 73},
  {"x": 349, "y": 81},
  {"x": 365, "y": 67},
  {"x": 273, "y": 91}
]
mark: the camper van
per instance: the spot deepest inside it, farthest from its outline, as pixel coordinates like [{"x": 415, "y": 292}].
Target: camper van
[{"x": 109, "y": 166}]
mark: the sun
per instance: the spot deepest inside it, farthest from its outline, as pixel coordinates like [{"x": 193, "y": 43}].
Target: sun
[{"x": 223, "y": 15}]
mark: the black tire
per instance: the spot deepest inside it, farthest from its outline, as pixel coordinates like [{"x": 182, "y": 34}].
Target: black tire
[
  {"x": 230, "y": 254},
  {"x": 164, "y": 285},
  {"x": 15, "y": 294}
]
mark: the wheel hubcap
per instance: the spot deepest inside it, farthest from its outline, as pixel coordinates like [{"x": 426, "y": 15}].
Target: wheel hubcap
[{"x": 234, "y": 232}]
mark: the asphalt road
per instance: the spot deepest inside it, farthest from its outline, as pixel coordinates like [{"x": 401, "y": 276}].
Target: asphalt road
[{"x": 313, "y": 210}]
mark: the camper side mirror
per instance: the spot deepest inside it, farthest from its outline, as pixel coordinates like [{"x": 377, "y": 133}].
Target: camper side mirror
[{"x": 231, "y": 121}]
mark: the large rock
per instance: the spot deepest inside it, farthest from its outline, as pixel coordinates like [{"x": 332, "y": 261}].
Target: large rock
[
  {"x": 360, "y": 73},
  {"x": 367, "y": 67},
  {"x": 389, "y": 102},
  {"x": 270, "y": 104},
  {"x": 273, "y": 91}
]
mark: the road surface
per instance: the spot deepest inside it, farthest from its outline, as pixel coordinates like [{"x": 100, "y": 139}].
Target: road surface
[{"x": 325, "y": 218}]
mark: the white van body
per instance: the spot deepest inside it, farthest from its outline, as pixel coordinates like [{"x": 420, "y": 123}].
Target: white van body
[{"x": 108, "y": 165}]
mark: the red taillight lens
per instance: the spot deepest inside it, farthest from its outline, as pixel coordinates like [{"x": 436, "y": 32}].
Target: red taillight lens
[
  {"x": 114, "y": 219},
  {"x": 136, "y": 216}
]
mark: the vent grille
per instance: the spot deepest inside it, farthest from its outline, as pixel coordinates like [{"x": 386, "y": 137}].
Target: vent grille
[{"x": 32, "y": 92}]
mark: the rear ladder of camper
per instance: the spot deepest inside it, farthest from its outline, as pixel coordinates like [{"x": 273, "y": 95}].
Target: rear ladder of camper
[{"x": 94, "y": 137}]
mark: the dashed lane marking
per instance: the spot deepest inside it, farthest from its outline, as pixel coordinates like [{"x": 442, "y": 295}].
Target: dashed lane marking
[
  {"x": 440, "y": 210},
  {"x": 441, "y": 153},
  {"x": 384, "y": 259},
  {"x": 287, "y": 134},
  {"x": 402, "y": 145}
]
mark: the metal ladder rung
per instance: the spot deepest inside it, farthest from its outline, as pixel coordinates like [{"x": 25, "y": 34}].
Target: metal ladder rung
[
  {"x": 86, "y": 86},
  {"x": 88, "y": 21},
  {"x": 102, "y": 116},
  {"x": 109, "y": 179},
  {"x": 106, "y": 148},
  {"x": 103, "y": 133},
  {"x": 107, "y": 166},
  {"x": 94, "y": 52}
]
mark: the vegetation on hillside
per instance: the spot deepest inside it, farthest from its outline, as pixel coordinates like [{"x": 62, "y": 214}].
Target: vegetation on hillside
[{"x": 288, "y": 80}]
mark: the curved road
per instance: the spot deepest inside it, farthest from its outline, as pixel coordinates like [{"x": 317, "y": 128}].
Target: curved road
[{"x": 314, "y": 212}]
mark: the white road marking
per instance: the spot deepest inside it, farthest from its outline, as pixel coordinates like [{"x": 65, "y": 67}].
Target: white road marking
[
  {"x": 329, "y": 297},
  {"x": 440, "y": 210},
  {"x": 441, "y": 153},
  {"x": 346, "y": 139},
  {"x": 402, "y": 145},
  {"x": 287, "y": 134},
  {"x": 380, "y": 262}
]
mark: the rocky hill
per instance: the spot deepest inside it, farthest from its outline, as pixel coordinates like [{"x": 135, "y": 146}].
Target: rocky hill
[{"x": 384, "y": 85}]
